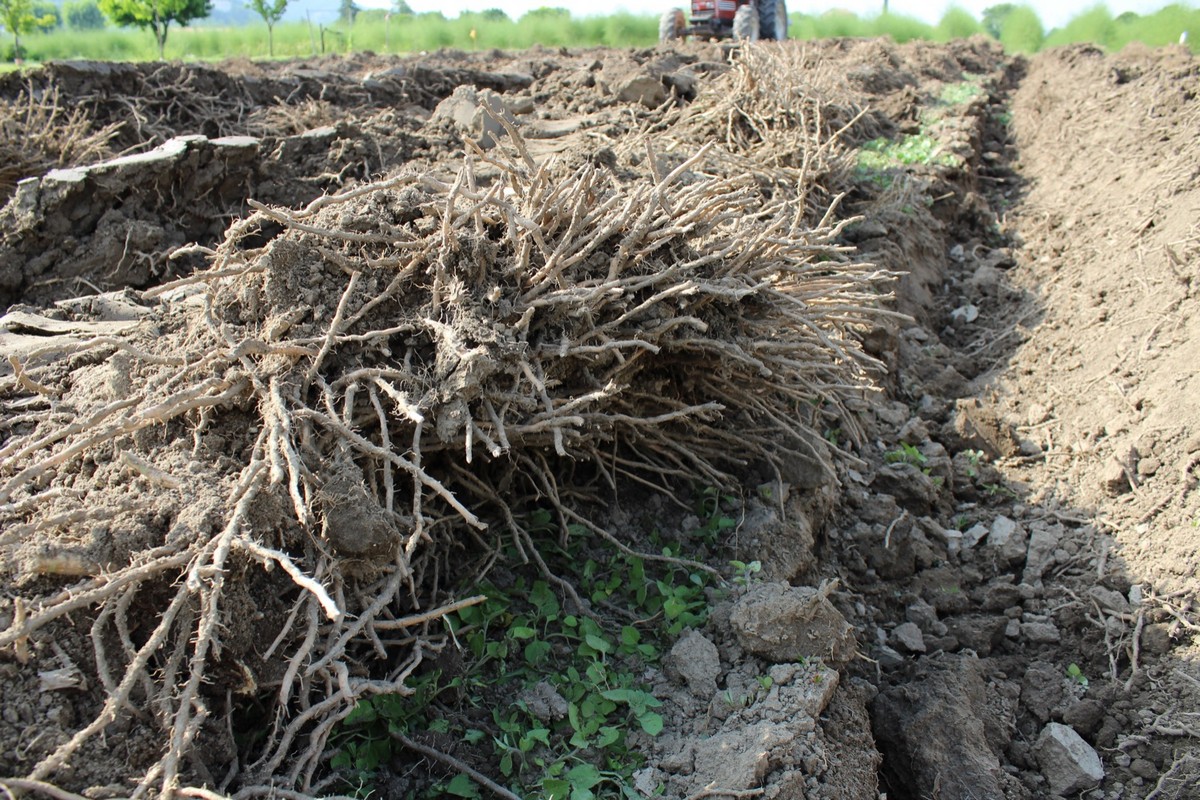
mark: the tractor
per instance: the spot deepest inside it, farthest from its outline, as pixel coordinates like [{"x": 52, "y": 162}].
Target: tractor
[{"x": 744, "y": 20}]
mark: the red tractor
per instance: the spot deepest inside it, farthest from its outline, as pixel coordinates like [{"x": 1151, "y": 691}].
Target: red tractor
[{"x": 744, "y": 20}]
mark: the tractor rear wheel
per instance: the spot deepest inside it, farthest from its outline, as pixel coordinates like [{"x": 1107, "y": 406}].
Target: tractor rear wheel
[
  {"x": 672, "y": 25},
  {"x": 772, "y": 19},
  {"x": 745, "y": 24}
]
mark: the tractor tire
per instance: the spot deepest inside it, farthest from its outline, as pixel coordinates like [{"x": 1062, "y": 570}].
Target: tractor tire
[
  {"x": 745, "y": 24},
  {"x": 672, "y": 25},
  {"x": 772, "y": 19}
]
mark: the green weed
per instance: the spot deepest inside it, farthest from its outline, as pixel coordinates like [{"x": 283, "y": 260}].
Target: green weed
[
  {"x": 908, "y": 150},
  {"x": 958, "y": 94},
  {"x": 906, "y": 454},
  {"x": 744, "y": 573},
  {"x": 522, "y": 636},
  {"x": 1076, "y": 674}
]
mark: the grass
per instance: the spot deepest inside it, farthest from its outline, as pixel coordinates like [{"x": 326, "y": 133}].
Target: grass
[{"x": 1022, "y": 32}]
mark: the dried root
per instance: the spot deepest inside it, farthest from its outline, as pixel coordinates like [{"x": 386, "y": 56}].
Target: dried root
[
  {"x": 38, "y": 133},
  {"x": 404, "y": 365}
]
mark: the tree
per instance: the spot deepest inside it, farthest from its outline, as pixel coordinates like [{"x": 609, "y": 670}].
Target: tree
[
  {"x": 83, "y": 15},
  {"x": 271, "y": 11},
  {"x": 48, "y": 16},
  {"x": 956, "y": 24},
  {"x": 17, "y": 17},
  {"x": 157, "y": 15},
  {"x": 994, "y": 16},
  {"x": 402, "y": 7},
  {"x": 347, "y": 11},
  {"x": 1022, "y": 31}
]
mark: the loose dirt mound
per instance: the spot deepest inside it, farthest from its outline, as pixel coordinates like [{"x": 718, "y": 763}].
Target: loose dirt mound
[{"x": 238, "y": 502}]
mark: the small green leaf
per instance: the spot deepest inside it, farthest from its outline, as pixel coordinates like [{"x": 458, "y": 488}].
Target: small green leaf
[
  {"x": 363, "y": 712},
  {"x": 556, "y": 788},
  {"x": 651, "y": 723},
  {"x": 536, "y": 651},
  {"x": 607, "y": 735},
  {"x": 584, "y": 776},
  {"x": 598, "y": 644},
  {"x": 462, "y": 786},
  {"x": 522, "y": 632}
]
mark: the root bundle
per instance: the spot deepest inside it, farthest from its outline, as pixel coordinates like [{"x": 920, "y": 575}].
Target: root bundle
[{"x": 395, "y": 374}]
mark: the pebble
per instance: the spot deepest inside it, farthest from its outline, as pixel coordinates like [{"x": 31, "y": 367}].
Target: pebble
[
  {"x": 1040, "y": 632},
  {"x": 907, "y": 636},
  {"x": 1069, "y": 763}
]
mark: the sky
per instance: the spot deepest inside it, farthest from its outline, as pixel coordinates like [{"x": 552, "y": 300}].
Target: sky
[{"x": 1052, "y": 14}]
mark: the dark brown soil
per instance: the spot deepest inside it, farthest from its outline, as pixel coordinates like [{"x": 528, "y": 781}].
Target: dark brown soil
[{"x": 1012, "y": 539}]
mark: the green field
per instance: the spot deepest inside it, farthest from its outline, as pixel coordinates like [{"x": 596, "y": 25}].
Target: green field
[{"x": 1021, "y": 31}]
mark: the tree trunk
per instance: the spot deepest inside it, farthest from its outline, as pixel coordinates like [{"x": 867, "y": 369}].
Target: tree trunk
[
  {"x": 270, "y": 40},
  {"x": 160, "y": 34}
]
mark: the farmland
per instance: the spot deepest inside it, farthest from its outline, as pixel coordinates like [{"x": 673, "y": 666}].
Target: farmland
[{"x": 810, "y": 419}]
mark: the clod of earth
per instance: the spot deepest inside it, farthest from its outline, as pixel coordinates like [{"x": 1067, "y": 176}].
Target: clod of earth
[{"x": 791, "y": 623}]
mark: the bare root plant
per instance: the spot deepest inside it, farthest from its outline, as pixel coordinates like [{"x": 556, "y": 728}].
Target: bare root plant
[
  {"x": 38, "y": 133},
  {"x": 779, "y": 115},
  {"x": 391, "y": 379}
]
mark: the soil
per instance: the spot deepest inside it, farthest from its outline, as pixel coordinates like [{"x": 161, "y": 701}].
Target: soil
[{"x": 994, "y": 592}]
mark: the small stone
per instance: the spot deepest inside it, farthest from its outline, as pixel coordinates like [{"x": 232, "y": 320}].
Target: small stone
[
  {"x": 921, "y": 613},
  {"x": 1013, "y": 629},
  {"x": 907, "y": 636},
  {"x": 1009, "y": 540},
  {"x": 1113, "y": 478},
  {"x": 645, "y": 89},
  {"x": 1040, "y": 632},
  {"x": 1084, "y": 716},
  {"x": 1156, "y": 638},
  {"x": 697, "y": 662},
  {"x": 1041, "y": 689},
  {"x": 646, "y": 781},
  {"x": 964, "y": 315},
  {"x": 887, "y": 657},
  {"x": 1109, "y": 599},
  {"x": 544, "y": 702},
  {"x": 986, "y": 279},
  {"x": 974, "y": 535},
  {"x": 465, "y": 109},
  {"x": 1068, "y": 762},
  {"x": 914, "y": 432},
  {"x": 1043, "y": 541},
  {"x": 1148, "y": 467},
  {"x": 1143, "y": 768}
]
